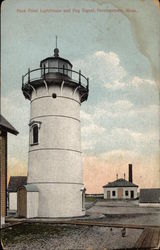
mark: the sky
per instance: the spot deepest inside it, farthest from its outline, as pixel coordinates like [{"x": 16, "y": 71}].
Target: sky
[{"x": 111, "y": 46}]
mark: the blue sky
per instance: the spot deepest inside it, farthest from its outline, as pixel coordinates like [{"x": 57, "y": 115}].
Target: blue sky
[{"x": 120, "y": 120}]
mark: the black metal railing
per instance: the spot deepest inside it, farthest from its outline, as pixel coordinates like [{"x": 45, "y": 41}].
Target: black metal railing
[{"x": 44, "y": 72}]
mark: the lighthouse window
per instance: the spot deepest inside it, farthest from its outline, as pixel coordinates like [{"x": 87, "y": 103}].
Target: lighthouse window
[
  {"x": 34, "y": 134},
  {"x": 54, "y": 95}
]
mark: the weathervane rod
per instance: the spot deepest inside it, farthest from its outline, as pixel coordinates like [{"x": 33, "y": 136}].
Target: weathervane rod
[{"x": 56, "y": 41}]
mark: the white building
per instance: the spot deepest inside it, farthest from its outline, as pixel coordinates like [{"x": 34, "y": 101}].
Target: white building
[
  {"x": 149, "y": 197},
  {"x": 55, "y": 157},
  {"x": 120, "y": 189},
  {"x": 14, "y": 183}
]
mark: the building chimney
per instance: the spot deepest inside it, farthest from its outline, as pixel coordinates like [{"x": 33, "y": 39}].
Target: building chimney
[
  {"x": 117, "y": 176},
  {"x": 124, "y": 175},
  {"x": 130, "y": 173}
]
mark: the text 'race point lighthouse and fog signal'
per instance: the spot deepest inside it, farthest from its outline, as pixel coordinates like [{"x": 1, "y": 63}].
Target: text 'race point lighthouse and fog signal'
[{"x": 55, "y": 182}]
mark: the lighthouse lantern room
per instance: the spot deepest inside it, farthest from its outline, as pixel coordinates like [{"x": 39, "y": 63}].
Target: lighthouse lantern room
[{"x": 55, "y": 92}]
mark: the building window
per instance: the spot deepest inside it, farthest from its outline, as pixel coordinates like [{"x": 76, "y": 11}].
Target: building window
[
  {"x": 132, "y": 194},
  {"x": 113, "y": 193},
  {"x": 126, "y": 193}
]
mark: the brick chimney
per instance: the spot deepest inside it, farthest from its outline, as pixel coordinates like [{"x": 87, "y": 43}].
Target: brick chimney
[{"x": 130, "y": 179}]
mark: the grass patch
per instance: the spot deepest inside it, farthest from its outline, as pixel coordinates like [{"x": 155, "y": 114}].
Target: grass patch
[{"x": 90, "y": 199}]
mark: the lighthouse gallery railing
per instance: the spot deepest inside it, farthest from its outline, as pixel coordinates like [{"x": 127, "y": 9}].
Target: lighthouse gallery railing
[{"x": 78, "y": 77}]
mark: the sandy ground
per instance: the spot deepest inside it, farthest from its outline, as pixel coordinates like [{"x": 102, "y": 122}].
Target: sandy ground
[
  {"x": 125, "y": 212},
  {"x": 75, "y": 237},
  {"x": 51, "y": 236}
]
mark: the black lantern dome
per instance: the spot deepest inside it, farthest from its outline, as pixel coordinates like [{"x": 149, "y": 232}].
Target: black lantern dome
[{"x": 56, "y": 64}]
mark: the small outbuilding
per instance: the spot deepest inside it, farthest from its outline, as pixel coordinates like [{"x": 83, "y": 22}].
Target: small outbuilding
[
  {"x": 149, "y": 197},
  {"x": 14, "y": 183},
  {"x": 120, "y": 189},
  {"x": 27, "y": 201}
]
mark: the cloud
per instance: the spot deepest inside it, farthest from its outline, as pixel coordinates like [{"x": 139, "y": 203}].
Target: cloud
[
  {"x": 89, "y": 135},
  {"x": 85, "y": 116},
  {"x": 137, "y": 81},
  {"x": 105, "y": 68},
  {"x": 92, "y": 129},
  {"x": 120, "y": 125},
  {"x": 101, "y": 67},
  {"x": 106, "y": 110},
  {"x": 134, "y": 82},
  {"x": 121, "y": 105},
  {"x": 115, "y": 85},
  {"x": 135, "y": 136},
  {"x": 120, "y": 108},
  {"x": 88, "y": 144},
  {"x": 111, "y": 57}
]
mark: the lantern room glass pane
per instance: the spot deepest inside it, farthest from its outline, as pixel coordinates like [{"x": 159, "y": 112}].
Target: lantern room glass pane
[
  {"x": 69, "y": 71},
  {"x": 42, "y": 69},
  {"x": 55, "y": 66},
  {"x": 46, "y": 66},
  {"x": 53, "y": 63},
  {"x": 60, "y": 66},
  {"x": 63, "y": 66}
]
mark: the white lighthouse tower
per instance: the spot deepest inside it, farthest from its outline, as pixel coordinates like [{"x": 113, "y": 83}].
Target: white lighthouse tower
[{"x": 55, "y": 92}]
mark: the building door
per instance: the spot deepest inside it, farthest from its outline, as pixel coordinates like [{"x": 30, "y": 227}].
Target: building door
[
  {"x": 108, "y": 195},
  {"x": 22, "y": 202},
  {"x": 120, "y": 193},
  {"x": 132, "y": 194}
]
